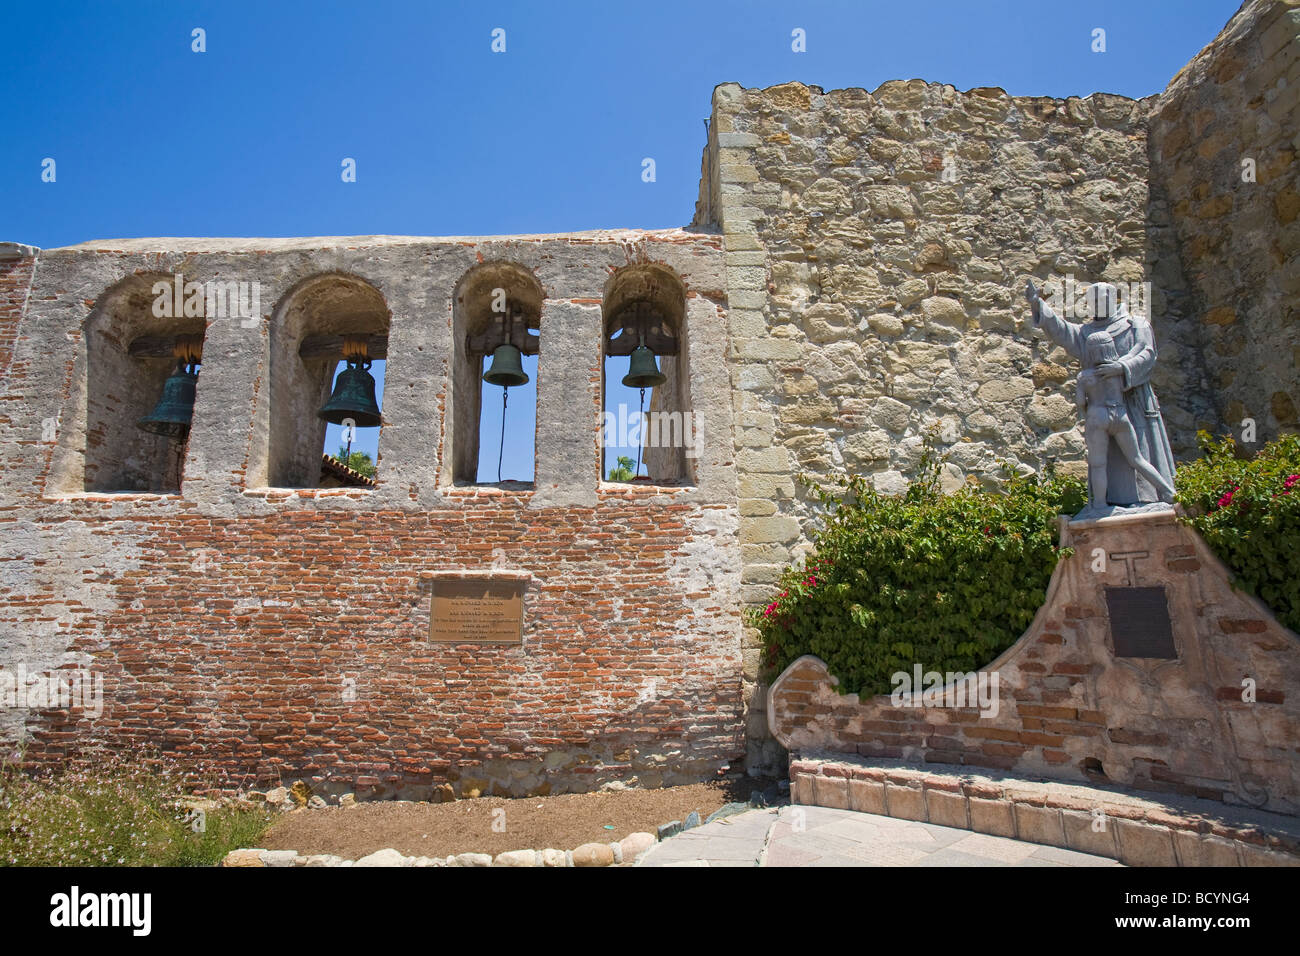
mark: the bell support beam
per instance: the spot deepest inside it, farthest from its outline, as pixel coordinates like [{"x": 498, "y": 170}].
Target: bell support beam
[
  {"x": 657, "y": 342},
  {"x": 331, "y": 347},
  {"x": 641, "y": 325},
  {"x": 486, "y": 341},
  {"x": 154, "y": 346}
]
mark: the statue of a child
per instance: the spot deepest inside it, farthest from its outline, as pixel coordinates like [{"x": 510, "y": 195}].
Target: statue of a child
[{"x": 1101, "y": 399}]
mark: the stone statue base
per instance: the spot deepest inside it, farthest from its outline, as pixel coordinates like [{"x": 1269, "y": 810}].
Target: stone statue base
[{"x": 1093, "y": 513}]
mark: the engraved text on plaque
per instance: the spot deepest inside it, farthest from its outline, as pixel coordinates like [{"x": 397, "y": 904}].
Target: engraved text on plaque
[{"x": 477, "y": 611}]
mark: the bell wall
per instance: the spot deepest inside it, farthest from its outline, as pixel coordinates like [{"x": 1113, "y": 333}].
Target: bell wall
[{"x": 277, "y": 634}]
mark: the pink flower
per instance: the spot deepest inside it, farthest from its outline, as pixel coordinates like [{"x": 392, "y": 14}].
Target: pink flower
[{"x": 1227, "y": 498}]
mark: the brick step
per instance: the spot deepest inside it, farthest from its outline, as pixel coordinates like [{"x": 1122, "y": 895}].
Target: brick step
[{"x": 1137, "y": 830}]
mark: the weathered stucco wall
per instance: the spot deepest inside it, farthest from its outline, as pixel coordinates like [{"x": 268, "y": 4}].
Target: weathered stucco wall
[
  {"x": 233, "y": 623},
  {"x": 1223, "y": 145}
]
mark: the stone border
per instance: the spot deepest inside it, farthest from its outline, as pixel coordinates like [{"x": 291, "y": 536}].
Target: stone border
[
  {"x": 1145, "y": 832},
  {"x": 625, "y": 852}
]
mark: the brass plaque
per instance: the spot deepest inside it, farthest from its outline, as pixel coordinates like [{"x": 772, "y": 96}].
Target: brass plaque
[
  {"x": 477, "y": 611},
  {"x": 1139, "y": 623}
]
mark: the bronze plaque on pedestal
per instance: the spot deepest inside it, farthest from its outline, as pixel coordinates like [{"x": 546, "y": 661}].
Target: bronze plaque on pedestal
[
  {"x": 1139, "y": 623},
  {"x": 477, "y": 610}
]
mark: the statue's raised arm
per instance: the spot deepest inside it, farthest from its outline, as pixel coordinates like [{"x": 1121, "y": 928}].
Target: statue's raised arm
[{"x": 1068, "y": 335}]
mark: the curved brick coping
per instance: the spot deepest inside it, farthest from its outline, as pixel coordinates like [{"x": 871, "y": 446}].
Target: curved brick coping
[
  {"x": 1136, "y": 830},
  {"x": 624, "y": 852}
]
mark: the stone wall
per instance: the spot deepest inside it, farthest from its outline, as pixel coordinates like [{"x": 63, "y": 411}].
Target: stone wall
[
  {"x": 1232, "y": 115},
  {"x": 875, "y": 297},
  {"x": 1217, "y": 719},
  {"x": 878, "y": 245},
  {"x": 278, "y": 633}
]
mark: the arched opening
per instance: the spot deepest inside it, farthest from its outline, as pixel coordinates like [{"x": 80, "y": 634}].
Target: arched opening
[
  {"x": 649, "y": 432},
  {"x": 329, "y": 350},
  {"x": 496, "y": 326},
  {"x": 144, "y": 343}
]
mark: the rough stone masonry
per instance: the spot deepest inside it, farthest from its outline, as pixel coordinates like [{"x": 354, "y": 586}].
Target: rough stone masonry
[
  {"x": 877, "y": 245},
  {"x": 854, "y": 265}
]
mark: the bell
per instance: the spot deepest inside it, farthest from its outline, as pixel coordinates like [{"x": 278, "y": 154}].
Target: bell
[
  {"x": 507, "y": 367},
  {"x": 175, "y": 410},
  {"x": 643, "y": 370},
  {"x": 354, "y": 398}
]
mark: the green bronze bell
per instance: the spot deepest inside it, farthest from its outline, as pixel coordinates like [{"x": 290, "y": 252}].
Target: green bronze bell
[
  {"x": 172, "y": 415},
  {"x": 507, "y": 367},
  {"x": 643, "y": 370},
  {"x": 354, "y": 397}
]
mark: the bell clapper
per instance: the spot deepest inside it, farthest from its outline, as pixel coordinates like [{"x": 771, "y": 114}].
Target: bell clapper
[
  {"x": 640, "y": 444},
  {"x": 505, "y": 392}
]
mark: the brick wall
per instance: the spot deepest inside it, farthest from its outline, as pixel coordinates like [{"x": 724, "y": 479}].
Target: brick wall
[
  {"x": 233, "y": 641},
  {"x": 234, "y": 624}
]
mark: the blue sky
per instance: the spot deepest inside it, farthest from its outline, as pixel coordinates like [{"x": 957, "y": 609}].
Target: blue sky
[{"x": 449, "y": 138}]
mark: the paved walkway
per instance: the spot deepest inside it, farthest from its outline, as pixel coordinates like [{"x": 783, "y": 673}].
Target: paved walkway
[{"x": 817, "y": 836}]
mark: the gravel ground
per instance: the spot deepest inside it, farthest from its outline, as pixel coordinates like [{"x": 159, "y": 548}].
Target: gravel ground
[{"x": 496, "y": 824}]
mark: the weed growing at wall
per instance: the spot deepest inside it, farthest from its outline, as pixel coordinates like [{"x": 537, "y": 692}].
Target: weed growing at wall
[
  {"x": 1248, "y": 512},
  {"x": 944, "y": 581},
  {"x": 115, "y": 812}
]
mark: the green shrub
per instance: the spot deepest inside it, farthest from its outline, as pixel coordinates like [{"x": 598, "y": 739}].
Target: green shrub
[
  {"x": 111, "y": 812},
  {"x": 946, "y": 581},
  {"x": 1248, "y": 512}
]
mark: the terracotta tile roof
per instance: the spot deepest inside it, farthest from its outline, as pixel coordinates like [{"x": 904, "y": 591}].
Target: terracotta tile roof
[{"x": 329, "y": 465}]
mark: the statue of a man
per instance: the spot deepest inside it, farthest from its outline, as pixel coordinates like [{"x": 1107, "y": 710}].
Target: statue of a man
[{"x": 1121, "y": 483}]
